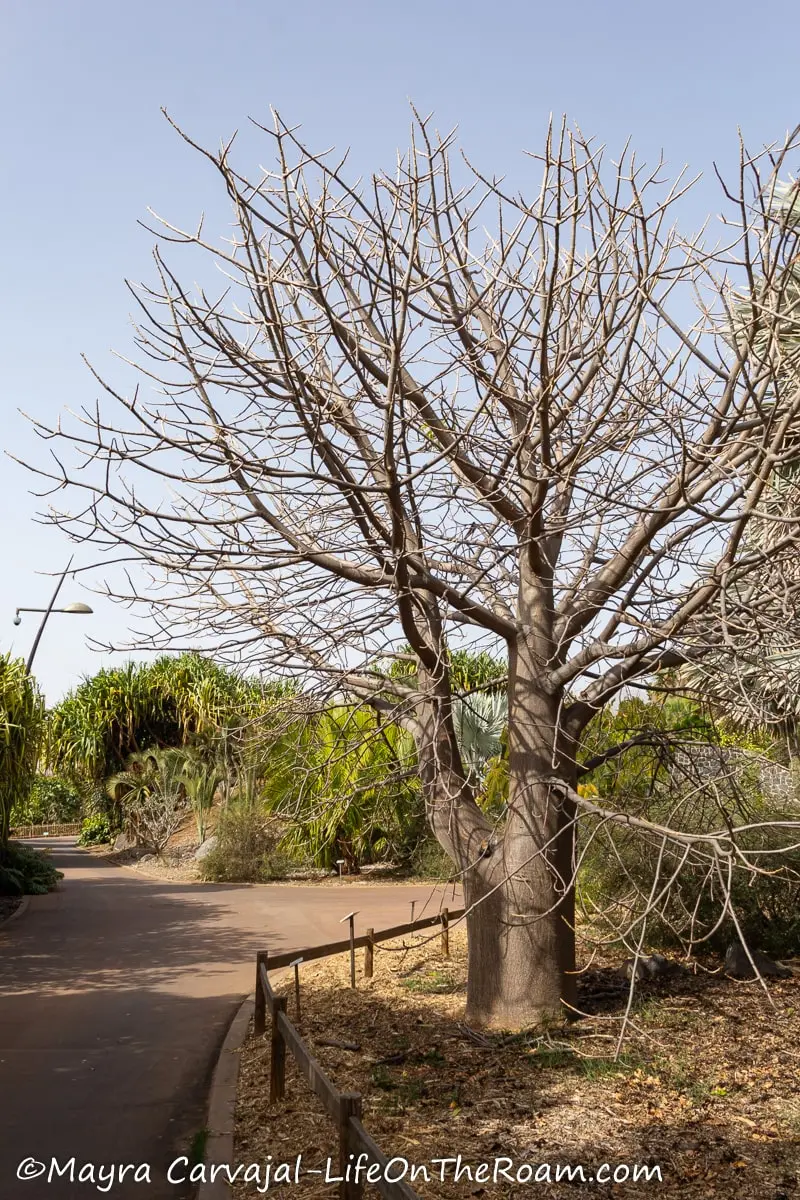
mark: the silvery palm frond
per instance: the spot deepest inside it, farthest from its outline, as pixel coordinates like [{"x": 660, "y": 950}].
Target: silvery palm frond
[{"x": 480, "y": 720}]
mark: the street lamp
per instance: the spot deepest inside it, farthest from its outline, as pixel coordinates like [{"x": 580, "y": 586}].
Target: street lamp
[{"x": 78, "y": 607}]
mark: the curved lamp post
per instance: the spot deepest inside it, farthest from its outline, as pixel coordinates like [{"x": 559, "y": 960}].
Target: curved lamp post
[{"x": 70, "y": 608}]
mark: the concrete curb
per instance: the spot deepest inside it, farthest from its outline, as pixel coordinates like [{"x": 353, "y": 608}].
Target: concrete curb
[
  {"x": 222, "y": 1103},
  {"x": 22, "y": 908}
]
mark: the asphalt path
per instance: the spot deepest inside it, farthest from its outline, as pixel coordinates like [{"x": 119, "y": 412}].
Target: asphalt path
[{"x": 115, "y": 995}]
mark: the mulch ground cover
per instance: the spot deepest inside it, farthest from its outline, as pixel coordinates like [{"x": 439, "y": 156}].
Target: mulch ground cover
[{"x": 706, "y": 1086}]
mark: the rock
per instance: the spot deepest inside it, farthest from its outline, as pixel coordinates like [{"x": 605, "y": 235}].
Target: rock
[
  {"x": 739, "y": 966},
  {"x": 206, "y": 847},
  {"x": 147, "y": 858},
  {"x": 123, "y": 842},
  {"x": 646, "y": 968}
]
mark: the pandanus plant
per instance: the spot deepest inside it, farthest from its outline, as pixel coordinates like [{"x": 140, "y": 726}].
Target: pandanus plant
[
  {"x": 21, "y": 727},
  {"x": 169, "y": 702}
]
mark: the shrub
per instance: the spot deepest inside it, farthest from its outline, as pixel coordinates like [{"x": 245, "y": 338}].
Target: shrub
[
  {"x": 246, "y": 849},
  {"x": 345, "y": 786},
  {"x": 152, "y": 796},
  {"x": 24, "y": 871},
  {"x": 431, "y": 861},
  {"x": 767, "y": 905},
  {"x": 50, "y": 801},
  {"x": 95, "y": 830}
]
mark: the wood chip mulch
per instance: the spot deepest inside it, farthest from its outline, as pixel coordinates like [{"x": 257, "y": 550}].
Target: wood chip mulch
[{"x": 706, "y": 1087}]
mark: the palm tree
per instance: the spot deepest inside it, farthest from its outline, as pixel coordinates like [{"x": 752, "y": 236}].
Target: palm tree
[
  {"x": 201, "y": 779},
  {"x": 152, "y": 796},
  {"x": 480, "y": 719},
  {"x": 764, "y": 688}
]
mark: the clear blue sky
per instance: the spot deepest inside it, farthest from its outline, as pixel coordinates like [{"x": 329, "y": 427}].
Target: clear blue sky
[{"x": 85, "y": 150}]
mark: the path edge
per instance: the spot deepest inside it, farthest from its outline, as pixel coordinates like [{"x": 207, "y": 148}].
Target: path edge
[
  {"x": 220, "y": 1121},
  {"x": 21, "y": 908}
]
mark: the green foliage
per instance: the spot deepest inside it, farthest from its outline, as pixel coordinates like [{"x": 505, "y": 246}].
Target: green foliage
[
  {"x": 755, "y": 741},
  {"x": 152, "y": 795},
  {"x": 635, "y": 773},
  {"x": 619, "y": 868},
  {"x": 480, "y": 721},
  {"x": 247, "y": 849},
  {"x": 169, "y": 702},
  {"x": 23, "y": 871},
  {"x": 346, "y": 785},
  {"x": 468, "y": 670},
  {"x": 618, "y": 864},
  {"x": 96, "y": 830},
  {"x": 430, "y": 861},
  {"x": 21, "y": 728},
  {"x": 201, "y": 779},
  {"x": 50, "y": 801},
  {"x": 493, "y": 796}
]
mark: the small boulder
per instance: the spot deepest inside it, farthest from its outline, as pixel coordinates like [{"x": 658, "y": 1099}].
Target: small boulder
[
  {"x": 123, "y": 842},
  {"x": 645, "y": 968},
  {"x": 206, "y": 847},
  {"x": 739, "y": 965}
]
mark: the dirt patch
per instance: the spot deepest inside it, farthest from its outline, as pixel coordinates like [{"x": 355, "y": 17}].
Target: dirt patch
[
  {"x": 178, "y": 865},
  {"x": 172, "y": 868},
  {"x": 707, "y": 1087}
]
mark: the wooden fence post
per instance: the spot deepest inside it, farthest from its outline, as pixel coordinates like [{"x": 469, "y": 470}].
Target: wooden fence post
[
  {"x": 369, "y": 951},
  {"x": 349, "y": 1106},
  {"x": 277, "y": 1063},
  {"x": 260, "y": 1012},
  {"x": 445, "y": 933}
]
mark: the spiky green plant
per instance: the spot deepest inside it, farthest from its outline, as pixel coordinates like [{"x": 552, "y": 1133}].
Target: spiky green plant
[
  {"x": 347, "y": 788},
  {"x": 480, "y": 720},
  {"x": 21, "y": 726},
  {"x": 169, "y": 702},
  {"x": 152, "y": 795},
  {"x": 201, "y": 780}
]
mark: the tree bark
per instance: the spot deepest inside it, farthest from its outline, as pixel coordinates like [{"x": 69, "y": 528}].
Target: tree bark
[
  {"x": 521, "y": 957},
  {"x": 517, "y": 879}
]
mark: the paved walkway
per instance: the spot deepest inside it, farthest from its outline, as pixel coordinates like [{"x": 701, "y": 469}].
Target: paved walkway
[{"x": 115, "y": 995}]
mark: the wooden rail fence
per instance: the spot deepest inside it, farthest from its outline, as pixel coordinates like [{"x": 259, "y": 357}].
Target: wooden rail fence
[
  {"x": 32, "y": 831},
  {"x": 344, "y": 1108}
]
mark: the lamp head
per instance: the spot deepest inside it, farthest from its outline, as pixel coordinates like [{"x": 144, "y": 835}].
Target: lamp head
[{"x": 17, "y": 619}]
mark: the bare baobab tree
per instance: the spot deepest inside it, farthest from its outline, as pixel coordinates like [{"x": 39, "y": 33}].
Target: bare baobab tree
[{"x": 422, "y": 408}]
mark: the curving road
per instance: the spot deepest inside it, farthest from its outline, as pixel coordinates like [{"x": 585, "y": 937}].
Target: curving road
[{"x": 115, "y": 995}]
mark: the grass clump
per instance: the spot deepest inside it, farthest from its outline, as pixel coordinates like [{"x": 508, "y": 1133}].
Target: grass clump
[{"x": 246, "y": 848}]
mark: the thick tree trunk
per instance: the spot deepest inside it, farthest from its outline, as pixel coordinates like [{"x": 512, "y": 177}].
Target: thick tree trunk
[
  {"x": 521, "y": 957},
  {"x": 517, "y": 879},
  {"x": 517, "y": 882},
  {"x": 522, "y": 932}
]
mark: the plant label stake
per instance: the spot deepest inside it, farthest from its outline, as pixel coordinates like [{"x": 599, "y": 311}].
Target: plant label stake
[
  {"x": 296, "y": 965},
  {"x": 340, "y": 863},
  {"x": 350, "y": 917}
]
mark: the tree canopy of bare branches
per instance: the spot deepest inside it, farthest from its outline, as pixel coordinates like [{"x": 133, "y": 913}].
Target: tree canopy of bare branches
[{"x": 421, "y": 408}]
